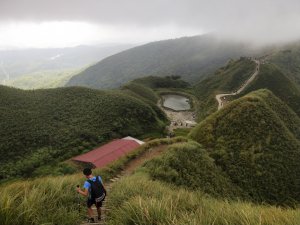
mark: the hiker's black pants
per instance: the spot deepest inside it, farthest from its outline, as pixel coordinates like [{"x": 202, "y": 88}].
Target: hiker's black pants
[{"x": 91, "y": 202}]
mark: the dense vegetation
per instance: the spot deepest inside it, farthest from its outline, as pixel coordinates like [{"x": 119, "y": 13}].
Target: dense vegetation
[
  {"x": 189, "y": 165},
  {"x": 162, "y": 82},
  {"x": 272, "y": 78},
  {"x": 230, "y": 77},
  {"x": 41, "y": 126},
  {"x": 42, "y": 79},
  {"x": 225, "y": 80},
  {"x": 20, "y": 201},
  {"x": 142, "y": 91},
  {"x": 247, "y": 151},
  {"x": 288, "y": 60},
  {"x": 133, "y": 200},
  {"x": 255, "y": 140},
  {"x": 190, "y": 57},
  {"x": 140, "y": 200}
]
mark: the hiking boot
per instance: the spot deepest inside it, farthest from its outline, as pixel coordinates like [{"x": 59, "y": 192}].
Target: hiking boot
[{"x": 91, "y": 220}]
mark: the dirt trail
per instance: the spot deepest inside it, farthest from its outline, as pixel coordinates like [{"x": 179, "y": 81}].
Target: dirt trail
[
  {"x": 128, "y": 170},
  {"x": 221, "y": 97}
]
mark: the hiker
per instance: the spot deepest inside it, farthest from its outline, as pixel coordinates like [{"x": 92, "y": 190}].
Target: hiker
[{"x": 95, "y": 191}]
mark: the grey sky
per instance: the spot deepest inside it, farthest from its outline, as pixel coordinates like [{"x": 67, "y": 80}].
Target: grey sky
[{"x": 259, "y": 20}]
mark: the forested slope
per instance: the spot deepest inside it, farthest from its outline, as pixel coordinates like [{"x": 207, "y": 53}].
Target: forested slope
[{"x": 37, "y": 127}]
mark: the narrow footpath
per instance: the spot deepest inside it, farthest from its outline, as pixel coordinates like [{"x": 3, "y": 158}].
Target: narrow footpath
[
  {"x": 221, "y": 97},
  {"x": 128, "y": 170}
]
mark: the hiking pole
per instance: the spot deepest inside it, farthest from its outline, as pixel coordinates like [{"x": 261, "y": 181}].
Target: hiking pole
[{"x": 78, "y": 199}]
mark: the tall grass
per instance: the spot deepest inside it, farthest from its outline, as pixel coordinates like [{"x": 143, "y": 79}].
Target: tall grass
[
  {"x": 138, "y": 200},
  {"x": 53, "y": 200},
  {"x": 42, "y": 201}
]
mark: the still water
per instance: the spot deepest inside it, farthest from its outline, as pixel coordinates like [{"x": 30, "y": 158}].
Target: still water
[{"x": 176, "y": 102}]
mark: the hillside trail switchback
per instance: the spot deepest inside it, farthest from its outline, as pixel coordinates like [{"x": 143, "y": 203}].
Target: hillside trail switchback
[
  {"x": 128, "y": 170},
  {"x": 221, "y": 97}
]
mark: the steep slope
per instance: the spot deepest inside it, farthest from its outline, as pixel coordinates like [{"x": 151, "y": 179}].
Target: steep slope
[
  {"x": 162, "y": 82},
  {"x": 255, "y": 140},
  {"x": 271, "y": 77},
  {"x": 189, "y": 165},
  {"x": 141, "y": 200},
  {"x": 133, "y": 199},
  {"x": 51, "y": 125},
  {"x": 288, "y": 60},
  {"x": 221, "y": 98},
  {"x": 140, "y": 90},
  {"x": 230, "y": 77},
  {"x": 226, "y": 79},
  {"x": 145, "y": 94},
  {"x": 190, "y": 57}
]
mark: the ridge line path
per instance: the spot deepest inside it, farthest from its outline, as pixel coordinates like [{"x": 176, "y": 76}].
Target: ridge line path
[
  {"x": 128, "y": 169},
  {"x": 220, "y": 97}
]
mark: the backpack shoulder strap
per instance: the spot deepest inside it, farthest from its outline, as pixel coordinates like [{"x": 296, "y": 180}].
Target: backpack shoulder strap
[
  {"x": 98, "y": 179},
  {"x": 88, "y": 180}
]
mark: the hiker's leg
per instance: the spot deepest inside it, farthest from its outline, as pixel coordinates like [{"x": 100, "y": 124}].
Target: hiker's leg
[
  {"x": 98, "y": 206},
  {"x": 89, "y": 208},
  {"x": 90, "y": 212},
  {"x": 99, "y": 212}
]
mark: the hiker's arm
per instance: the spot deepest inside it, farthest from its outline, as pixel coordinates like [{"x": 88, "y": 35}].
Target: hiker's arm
[{"x": 84, "y": 193}]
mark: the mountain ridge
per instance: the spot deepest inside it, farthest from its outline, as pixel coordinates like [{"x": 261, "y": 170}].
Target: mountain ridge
[{"x": 190, "y": 57}]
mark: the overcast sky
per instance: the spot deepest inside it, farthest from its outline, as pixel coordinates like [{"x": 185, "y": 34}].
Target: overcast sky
[{"x": 60, "y": 23}]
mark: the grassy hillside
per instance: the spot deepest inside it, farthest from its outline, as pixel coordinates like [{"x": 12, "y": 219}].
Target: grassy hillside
[
  {"x": 255, "y": 140},
  {"x": 272, "y": 78},
  {"x": 42, "y": 79},
  {"x": 162, "y": 82},
  {"x": 228, "y": 78},
  {"x": 41, "y": 127},
  {"x": 140, "y": 200},
  {"x": 20, "y": 201},
  {"x": 225, "y": 80},
  {"x": 288, "y": 60},
  {"x": 190, "y": 166},
  {"x": 190, "y": 57},
  {"x": 135, "y": 199},
  {"x": 140, "y": 90}
]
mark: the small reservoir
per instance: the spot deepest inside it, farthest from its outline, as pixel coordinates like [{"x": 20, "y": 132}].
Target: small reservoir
[{"x": 176, "y": 102}]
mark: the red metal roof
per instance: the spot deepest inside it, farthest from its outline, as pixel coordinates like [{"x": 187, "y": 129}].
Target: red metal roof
[{"x": 108, "y": 153}]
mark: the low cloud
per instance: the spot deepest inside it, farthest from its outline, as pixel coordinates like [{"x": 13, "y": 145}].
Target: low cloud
[{"x": 260, "y": 21}]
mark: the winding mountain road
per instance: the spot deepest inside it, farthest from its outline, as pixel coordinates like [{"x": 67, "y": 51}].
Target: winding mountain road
[{"x": 221, "y": 97}]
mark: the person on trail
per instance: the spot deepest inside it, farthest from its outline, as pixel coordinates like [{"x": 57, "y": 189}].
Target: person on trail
[{"x": 95, "y": 191}]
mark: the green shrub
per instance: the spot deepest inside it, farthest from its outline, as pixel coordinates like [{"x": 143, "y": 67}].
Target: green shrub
[
  {"x": 255, "y": 141},
  {"x": 189, "y": 165}
]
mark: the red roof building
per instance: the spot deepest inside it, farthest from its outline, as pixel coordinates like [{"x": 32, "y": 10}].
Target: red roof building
[{"x": 108, "y": 153}]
